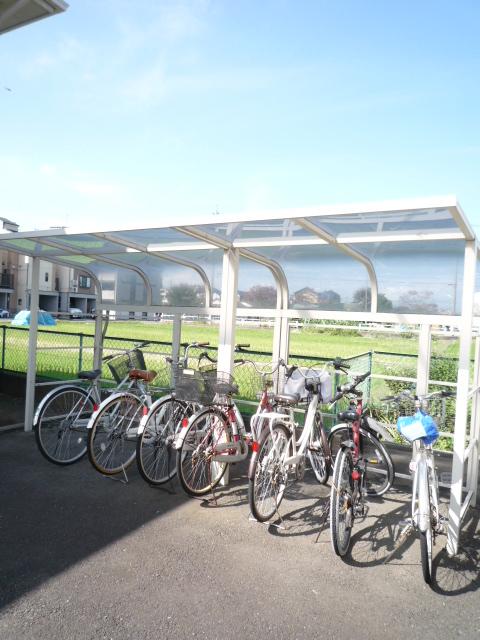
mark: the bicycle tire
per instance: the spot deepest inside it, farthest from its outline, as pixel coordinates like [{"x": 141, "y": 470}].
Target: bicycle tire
[
  {"x": 112, "y": 440},
  {"x": 156, "y": 455},
  {"x": 341, "y": 503},
  {"x": 268, "y": 478},
  {"x": 197, "y": 471},
  {"x": 426, "y": 542},
  {"x": 379, "y": 472},
  {"x": 317, "y": 450},
  {"x": 61, "y": 425}
]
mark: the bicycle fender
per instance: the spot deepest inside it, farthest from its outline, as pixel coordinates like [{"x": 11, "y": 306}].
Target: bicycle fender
[
  {"x": 380, "y": 429},
  {"x": 261, "y": 440},
  {"x": 100, "y": 406},
  {"x": 152, "y": 408},
  {"x": 347, "y": 444},
  {"x": 180, "y": 437},
  {"x": 73, "y": 387},
  {"x": 423, "y": 513}
]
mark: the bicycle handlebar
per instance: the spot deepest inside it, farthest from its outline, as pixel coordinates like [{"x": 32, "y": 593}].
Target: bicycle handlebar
[{"x": 407, "y": 395}]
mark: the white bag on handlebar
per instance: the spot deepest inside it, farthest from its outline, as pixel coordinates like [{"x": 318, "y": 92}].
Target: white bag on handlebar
[{"x": 296, "y": 384}]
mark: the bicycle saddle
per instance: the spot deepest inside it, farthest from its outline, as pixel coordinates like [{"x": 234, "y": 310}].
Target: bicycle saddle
[
  {"x": 89, "y": 375},
  {"x": 348, "y": 416},
  {"x": 287, "y": 398},
  {"x": 139, "y": 374}
]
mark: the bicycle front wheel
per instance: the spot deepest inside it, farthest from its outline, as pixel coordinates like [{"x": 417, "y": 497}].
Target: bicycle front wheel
[
  {"x": 426, "y": 542},
  {"x": 379, "y": 471},
  {"x": 318, "y": 450},
  {"x": 341, "y": 502},
  {"x": 156, "y": 456},
  {"x": 61, "y": 425},
  {"x": 113, "y": 436},
  {"x": 198, "y": 470},
  {"x": 268, "y": 479}
]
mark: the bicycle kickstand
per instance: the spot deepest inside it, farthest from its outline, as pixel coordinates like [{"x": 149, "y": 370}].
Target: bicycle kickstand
[
  {"x": 326, "y": 514},
  {"x": 406, "y": 530}
]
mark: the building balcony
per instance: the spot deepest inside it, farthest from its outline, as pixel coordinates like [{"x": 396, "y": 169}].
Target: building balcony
[{"x": 7, "y": 280}]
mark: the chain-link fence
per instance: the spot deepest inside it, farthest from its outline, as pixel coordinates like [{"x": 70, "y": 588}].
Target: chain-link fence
[{"x": 60, "y": 356}]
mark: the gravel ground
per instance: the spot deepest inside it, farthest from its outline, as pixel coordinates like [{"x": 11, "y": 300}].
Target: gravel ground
[{"x": 87, "y": 557}]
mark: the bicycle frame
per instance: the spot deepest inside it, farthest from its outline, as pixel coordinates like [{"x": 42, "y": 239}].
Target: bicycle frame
[{"x": 424, "y": 476}]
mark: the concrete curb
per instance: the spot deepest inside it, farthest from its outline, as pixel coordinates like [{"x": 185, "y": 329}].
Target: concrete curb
[{"x": 12, "y": 427}]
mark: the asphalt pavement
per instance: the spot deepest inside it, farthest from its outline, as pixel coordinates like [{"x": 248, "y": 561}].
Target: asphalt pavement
[{"x": 83, "y": 556}]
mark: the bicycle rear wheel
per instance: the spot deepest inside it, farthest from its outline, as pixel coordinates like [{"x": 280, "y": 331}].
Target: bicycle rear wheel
[
  {"x": 318, "y": 449},
  {"x": 268, "y": 477},
  {"x": 156, "y": 456},
  {"x": 341, "y": 503},
  {"x": 61, "y": 425},
  {"x": 113, "y": 436},
  {"x": 198, "y": 470},
  {"x": 379, "y": 471}
]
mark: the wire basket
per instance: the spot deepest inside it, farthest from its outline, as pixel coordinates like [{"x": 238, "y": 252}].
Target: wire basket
[
  {"x": 121, "y": 365},
  {"x": 219, "y": 383},
  {"x": 190, "y": 386}
]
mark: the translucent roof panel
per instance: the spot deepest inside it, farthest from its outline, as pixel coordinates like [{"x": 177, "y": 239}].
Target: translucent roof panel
[
  {"x": 156, "y": 239},
  {"x": 351, "y": 228},
  {"x": 419, "y": 277},
  {"x": 319, "y": 277},
  {"x": 256, "y": 286},
  {"x": 257, "y": 231}
]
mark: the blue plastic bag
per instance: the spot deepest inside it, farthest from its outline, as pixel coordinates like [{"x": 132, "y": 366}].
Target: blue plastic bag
[{"x": 420, "y": 425}]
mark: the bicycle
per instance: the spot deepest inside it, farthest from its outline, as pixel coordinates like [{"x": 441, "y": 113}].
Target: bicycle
[
  {"x": 156, "y": 434},
  {"x": 278, "y": 454},
  {"x": 421, "y": 431},
  {"x": 379, "y": 473},
  {"x": 61, "y": 418},
  {"x": 113, "y": 427},
  {"x": 214, "y": 436},
  {"x": 357, "y": 460}
]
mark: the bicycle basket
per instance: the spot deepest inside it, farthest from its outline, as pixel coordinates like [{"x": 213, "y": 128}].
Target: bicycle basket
[
  {"x": 297, "y": 384},
  {"x": 190, "y": 386},
  {"x": 121, "y": 365},
  {"x": 219, "y": 383},
  {"x": 418, "y": 426}
]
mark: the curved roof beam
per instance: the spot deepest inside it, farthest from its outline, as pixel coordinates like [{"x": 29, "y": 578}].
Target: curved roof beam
[
  {"x": 274, "y": 267},
  {"x": 314, "y": 230},
  {"x": 100, "y": 258},
  {"x": 185, "y": 263}
]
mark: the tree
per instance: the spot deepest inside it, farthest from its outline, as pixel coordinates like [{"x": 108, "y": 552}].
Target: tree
[
  {"x": 260, "y": 297},
  {"x": 184, "y": 295},
  {"x": 363, "y": 298},
  {"x": 329, "y": 300},
  {"x": 416, "y": 302}
]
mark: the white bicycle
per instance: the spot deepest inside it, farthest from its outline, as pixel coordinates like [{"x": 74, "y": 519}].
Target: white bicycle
[
  {"x": 278, "y": 454},
  {"x": 422, "y": 432}
]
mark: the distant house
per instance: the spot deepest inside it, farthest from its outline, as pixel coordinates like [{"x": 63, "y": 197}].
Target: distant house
[{"x": 306, "y": 296}]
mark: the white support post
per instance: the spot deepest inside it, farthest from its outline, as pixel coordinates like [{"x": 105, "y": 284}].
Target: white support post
[
  {"x": 228, "y": 318},
  {"x": 461, "y": 412},
  {"x": 32, "y": 345},
  {"x": 176, "y": 337},
  {"x": 281, "y": 346},
  {"x": 423, "y": 364},
  {"x": 228, "y": 313},
  {"x": 98, "y": 345},
  {"x": 472, "y": 471}
]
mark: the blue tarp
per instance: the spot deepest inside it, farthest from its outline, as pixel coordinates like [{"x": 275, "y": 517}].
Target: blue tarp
[{"x": 22, "y": 319}]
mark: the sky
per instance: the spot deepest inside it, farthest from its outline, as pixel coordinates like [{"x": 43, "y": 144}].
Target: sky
[{"x": 143, "y": 113}]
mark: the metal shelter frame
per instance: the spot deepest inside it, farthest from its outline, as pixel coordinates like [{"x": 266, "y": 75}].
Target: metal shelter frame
[{"x": 355, "y": 232}]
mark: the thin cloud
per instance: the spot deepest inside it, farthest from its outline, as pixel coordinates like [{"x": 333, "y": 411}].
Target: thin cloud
[{"x": 91, "y": 188}]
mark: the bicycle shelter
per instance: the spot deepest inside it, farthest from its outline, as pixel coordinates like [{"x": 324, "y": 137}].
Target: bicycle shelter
[{"x": 416, "y": 260}]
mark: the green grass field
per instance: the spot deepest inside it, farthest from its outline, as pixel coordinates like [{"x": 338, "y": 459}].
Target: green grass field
[{"x": 323, "y": 343}]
